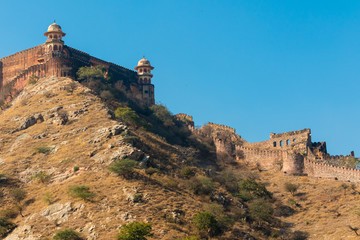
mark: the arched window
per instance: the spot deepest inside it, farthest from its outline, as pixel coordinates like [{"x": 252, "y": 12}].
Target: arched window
[
  {"x": 59, "y": 48},
  {"x": 51, "y": 36},
  {"x": 55, "y": 47},
  {"x": 287, "y": 142},
  {"x": 281, "y": 143},
  {"x": 274, "y": 144},
  {"x": 140, "y": 70},
  {"x": 50, "y": 48}
]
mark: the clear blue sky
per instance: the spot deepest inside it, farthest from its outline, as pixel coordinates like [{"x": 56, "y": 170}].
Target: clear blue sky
[{"x": 258, "y": 66}]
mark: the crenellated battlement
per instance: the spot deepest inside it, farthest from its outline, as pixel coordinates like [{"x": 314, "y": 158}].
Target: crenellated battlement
[
  {"x": 323, "y": 170},
  {"x": 221, "y": 127},
  {"x": 15, "y": 55}
]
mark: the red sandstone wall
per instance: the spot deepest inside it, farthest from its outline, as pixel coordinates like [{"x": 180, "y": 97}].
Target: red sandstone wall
[
  {"x": 327, "y": 171},
  {"x": 15, "y": 64}
]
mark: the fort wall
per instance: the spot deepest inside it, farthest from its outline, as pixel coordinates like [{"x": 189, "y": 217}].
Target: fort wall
[
  {"x": 15, "y": 64},
  {"x": 221, "y": 127},
  {"x": 285, "y": 161},
  {"x": 323, "y": 170},
  {"x": 294, "y": 140}
]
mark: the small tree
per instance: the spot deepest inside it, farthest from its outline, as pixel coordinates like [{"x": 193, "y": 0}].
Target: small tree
[
  {"x": 135, "y": 231},
  {"x": 261, "y": 211},
  {"x": 124, "y": 167},
  {"x": 291, "y": 188},
  {"x": 18, "y": 194},
  {"x": 255, "y": 189},
  {"x": 82, "y": 192},
  {"x": 67, "y": 234},
  {"x": 127, "y": 115},
  {"x": 205, "y": 221},
  {"x": 162, "y": 114}
]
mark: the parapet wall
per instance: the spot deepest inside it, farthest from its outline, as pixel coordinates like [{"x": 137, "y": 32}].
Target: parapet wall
[
  {"x": 288, "y": 134},
  {"x": 295, "y": 140},
  {"x": 285, "y": 161},
  {"x": 15, "y": 64},
  {"x": 323, "y": 170},
  {"x": 221, "y": 127}
]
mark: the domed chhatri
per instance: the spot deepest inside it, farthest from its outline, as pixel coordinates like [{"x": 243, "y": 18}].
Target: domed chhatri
[
  {"x": 144, "y": 77},
  {"x": 54, "y": 29},
  {"x": 54, "y": 42},
  {"x": 144, "y": 71},
  {"x": 144, "y": 63}
]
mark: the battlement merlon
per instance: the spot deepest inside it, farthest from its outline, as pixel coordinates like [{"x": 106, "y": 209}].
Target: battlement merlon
[{"x": 291, "y": 133}]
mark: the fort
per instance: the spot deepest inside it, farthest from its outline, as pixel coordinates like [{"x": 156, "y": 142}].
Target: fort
[
  {"x": 290, "y": 152},
  {"x": 54, "y": 58}
]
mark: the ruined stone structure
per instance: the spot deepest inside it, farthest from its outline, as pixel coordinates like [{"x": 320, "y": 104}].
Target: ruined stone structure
[
  {"x": 53, "y": 58},
  {"x": 290, "y": 152}
]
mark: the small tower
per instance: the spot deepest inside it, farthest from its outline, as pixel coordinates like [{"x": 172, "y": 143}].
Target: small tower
[
  {"x": 144, "y": 77},
  {"x": 54, "y": 42}
]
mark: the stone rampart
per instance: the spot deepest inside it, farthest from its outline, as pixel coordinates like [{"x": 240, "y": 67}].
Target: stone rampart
[
  {"x": 221, "y": 127},
  {"x": 323, "y": 170},
  {"x": 295, "y": 140},
  {"x": 15, "y": 64},
  {"x": 285, "y": 161}
]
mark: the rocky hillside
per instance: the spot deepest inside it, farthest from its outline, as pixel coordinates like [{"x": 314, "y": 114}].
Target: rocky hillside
[{"x": 57, "y": 136}]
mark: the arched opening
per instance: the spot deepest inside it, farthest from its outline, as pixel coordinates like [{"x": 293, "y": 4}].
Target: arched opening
[
  {"x": 294, "y": 140},
  {"x": 51, "y": 36},
  {"x": 50, "y": 48},
  {"x": 281, "y": 143},
  {"x": 287, "y": 142},
  {"x": 55, "y": 47},
  {"x": 140, "y": 70},
  {"x": 274, "y": 144},
  {"x": 59, "y": 48}
]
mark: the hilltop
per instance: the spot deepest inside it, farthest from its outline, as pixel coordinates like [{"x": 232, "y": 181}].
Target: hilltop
[{"x": 57, "y": 134}]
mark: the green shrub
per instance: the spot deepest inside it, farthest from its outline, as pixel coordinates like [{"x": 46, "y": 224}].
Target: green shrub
[
  {"x": 18, "y": 194},
  {"x": 228, "y": 179},
  {"x": 150, "y": 171},
  {"x": 44, "y": 150},
  {"x": 67, "y": 234},
  {"x": 127, "y": 115},
  {"x": 135, "y": 231},
  {"x": 255, "y": 189},
  {"x": 124, "y": 167},
  {"x": 189, "y": 238},
  {"x": 49, "y": 198},
  {"x": 205, "y": 221},
  {"x": 261, "y": 211},
  {"x": 201, "y": 185},
  {"x": 5, "y": 227},
  {"x": 42, "y": 177},
  {"x": 33, "y": 79},
  {"x": 137, "y": 197},
  {"x": 291, "y": 188},
  {"x": 8, "y": 213},
  {"x": 187, "y": 172},
  {"x": 76, "y": 168},
  {"x": 162, "y": 114},
  {"x": 82, "y": 192}
]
